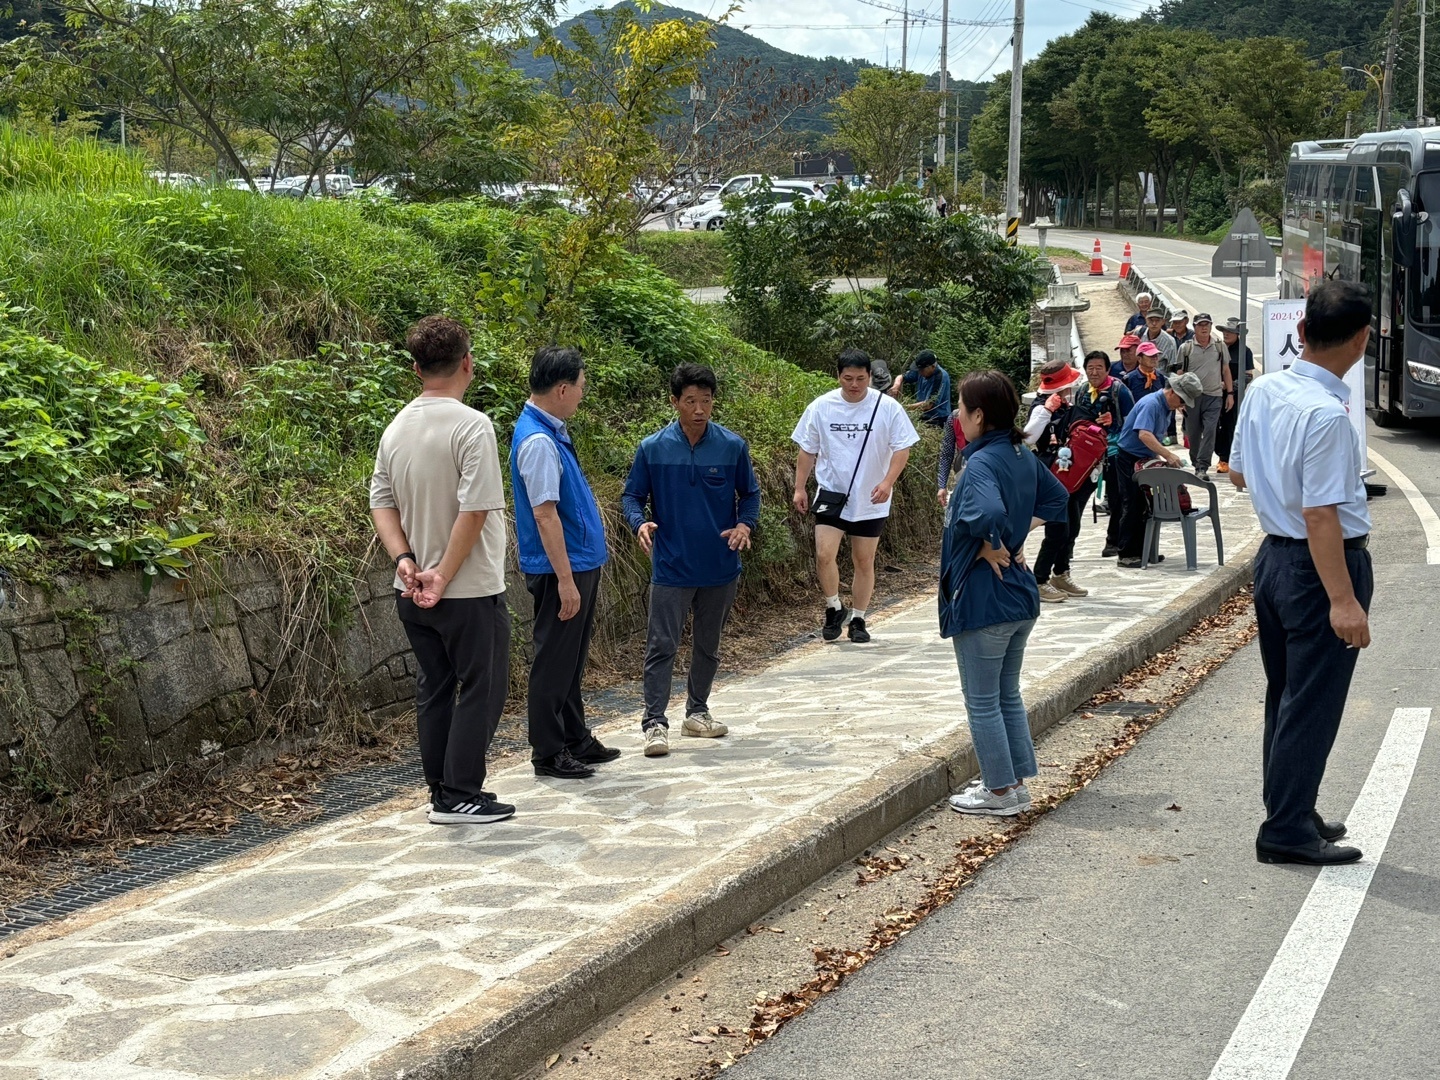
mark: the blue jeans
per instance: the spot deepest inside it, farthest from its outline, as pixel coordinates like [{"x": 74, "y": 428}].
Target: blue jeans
[{"x": 989, "y": 660}]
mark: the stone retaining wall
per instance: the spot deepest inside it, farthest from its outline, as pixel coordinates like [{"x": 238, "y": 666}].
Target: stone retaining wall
[{"x": 96, "y": 674}]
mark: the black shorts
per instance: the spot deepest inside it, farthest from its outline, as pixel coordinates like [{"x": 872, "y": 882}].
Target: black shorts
[{"x": 871, "y": 528}]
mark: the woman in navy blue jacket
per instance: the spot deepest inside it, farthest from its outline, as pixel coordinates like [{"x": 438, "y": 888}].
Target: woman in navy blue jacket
[{"x": 989, "y": 599}]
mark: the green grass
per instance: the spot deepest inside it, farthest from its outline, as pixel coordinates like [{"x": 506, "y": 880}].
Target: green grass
[{"x": 695, "y": 260}]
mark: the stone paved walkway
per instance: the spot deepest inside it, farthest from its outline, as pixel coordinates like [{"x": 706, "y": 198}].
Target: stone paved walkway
[{"x": 312, "y": 957}]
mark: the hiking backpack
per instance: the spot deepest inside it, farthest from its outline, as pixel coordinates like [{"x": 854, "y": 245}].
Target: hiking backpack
[{"x": 1087, "y": 445}]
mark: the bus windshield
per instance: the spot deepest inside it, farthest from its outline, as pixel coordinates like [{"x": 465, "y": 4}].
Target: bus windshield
[{"x": 1426, "y": 294}]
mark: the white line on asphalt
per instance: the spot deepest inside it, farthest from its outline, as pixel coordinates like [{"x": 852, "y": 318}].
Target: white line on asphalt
[
  {"x": 1429, "y": 520},
  {"x": 1278, "y": 1018}
]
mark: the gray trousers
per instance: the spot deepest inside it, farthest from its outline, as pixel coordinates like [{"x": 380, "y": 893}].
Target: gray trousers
[
  {"x": 668, "y": 608},
  {"x": 1201, "y": 423}
]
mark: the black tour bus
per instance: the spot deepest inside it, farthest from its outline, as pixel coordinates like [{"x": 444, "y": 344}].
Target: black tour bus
[{"x": 1356, "y": 209}]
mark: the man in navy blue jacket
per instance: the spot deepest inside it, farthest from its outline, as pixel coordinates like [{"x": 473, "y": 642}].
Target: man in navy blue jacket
[{"x": 704, "y": 501}]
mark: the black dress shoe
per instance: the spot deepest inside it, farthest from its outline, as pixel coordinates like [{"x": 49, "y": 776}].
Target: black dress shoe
[
  {"x": 594, "y": 753},
  {"x": 564, "y": 767},
  {"x": 1329, "y": 830},
  {"x": 1315, "y": 853}
]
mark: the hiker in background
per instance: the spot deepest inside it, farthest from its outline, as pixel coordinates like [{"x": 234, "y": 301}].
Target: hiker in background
[
  {"x": 1106, "y": 402},
  {"x": 1206, "y": 356},
  {"x": 561, "y": 538},
  {"x": 694, "y": 535},
  {"x": 932, "y": 388},
  {"x": 1225, "y": 434},
  {"x": 1154, "y": 333},
  {"x": 1180, "y": 331},
  {"x": 988, "y": 599},
  {"x": 1145, "y": 379},
  {"x": 1048, "y": 430},
  {"x": 438, "y": 502},
  {"x": 1129, "y": 357},
  {"x": 856, "y": 441},
  {"x": 952, "y": 457},
  {"x": 1142, "y": 308},
  {"x": 1140, "y": 441}
]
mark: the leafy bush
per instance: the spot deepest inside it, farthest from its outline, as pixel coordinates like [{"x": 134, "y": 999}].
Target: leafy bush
[
  {"x": 647, "y": 311},
  {"x": 92, "y": 454}
]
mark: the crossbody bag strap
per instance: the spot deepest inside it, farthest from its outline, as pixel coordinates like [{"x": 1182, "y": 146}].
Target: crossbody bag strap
[{"x": 866, "y": 442}]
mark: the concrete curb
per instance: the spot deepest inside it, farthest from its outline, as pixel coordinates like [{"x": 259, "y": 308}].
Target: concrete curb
[{"x": 551, "y": 1002}]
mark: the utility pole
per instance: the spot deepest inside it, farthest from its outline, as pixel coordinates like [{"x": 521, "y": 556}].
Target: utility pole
[
  {"x": 905, "y": 37},
  {"x": 955, "y": 156},
  {"x": 1012, "y": 176},
  {"x": 1387, "y": 86},
  {"x": 1420, "y": 75},
  {"x": 944, "y": 82}
]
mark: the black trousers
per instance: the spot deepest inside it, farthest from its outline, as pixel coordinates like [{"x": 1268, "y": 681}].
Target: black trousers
[
  {"x": 1132, "y": 522},
  {"x": 460, "y": 644},
  {"x": 1058, "y": 547},
  {"x": 669, "y": 607},
  {"x": 556, "y": 709},
  {"x": 1225, "y": 433},
  {"x": 1115, "y": 500},
  {"x": 1307, "y": 678}
]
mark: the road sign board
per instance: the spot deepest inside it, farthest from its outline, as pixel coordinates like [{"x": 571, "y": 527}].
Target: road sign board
[{"x": 1256, "y": 258}]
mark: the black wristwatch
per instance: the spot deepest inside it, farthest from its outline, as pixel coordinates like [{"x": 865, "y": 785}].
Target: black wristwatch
[{"x": 407, "y": 555}]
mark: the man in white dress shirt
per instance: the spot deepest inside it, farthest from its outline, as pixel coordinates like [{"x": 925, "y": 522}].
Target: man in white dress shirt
[{"x": 1299, "y": 456}]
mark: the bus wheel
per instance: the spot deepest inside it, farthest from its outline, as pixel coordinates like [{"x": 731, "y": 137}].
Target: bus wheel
[{"x": 1384, "y": 418}]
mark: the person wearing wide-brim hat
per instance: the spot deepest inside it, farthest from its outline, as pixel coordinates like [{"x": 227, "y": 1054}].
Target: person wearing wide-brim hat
[
  {"x": 1225, "y": 433},
  {"x": 1047, "y": 430}
]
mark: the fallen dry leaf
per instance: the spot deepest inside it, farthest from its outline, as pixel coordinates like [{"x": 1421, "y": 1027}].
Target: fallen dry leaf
[{"x": 551, "y": 1060}]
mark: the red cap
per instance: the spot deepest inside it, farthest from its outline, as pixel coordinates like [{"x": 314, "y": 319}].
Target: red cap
[
  {"x": 1129, "y": 341},
  {"x": 1148, "y": 348},
  {"x": 1059, "y": 380}
]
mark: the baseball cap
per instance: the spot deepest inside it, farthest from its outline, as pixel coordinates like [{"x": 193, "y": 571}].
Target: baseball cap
[
  {"x": 1148, "y": 348},
  {"x": 1203, "y": 317},
  {"x": 1155, "y": 313},
  {"x": 1129, "y": 341},
  {"x": 1188, "y": 387},
  {"x": 1180, "y": 314}
]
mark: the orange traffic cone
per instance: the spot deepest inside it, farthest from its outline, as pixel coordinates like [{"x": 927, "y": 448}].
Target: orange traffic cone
[
  {"x": 1125, "y": 261},
  {"x": 1097, "y": 268}
]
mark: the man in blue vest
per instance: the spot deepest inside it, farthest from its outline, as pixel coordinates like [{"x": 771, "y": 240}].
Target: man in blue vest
[
  {"x": 561, "y": 541},
  {"x": 704, "y": 501}
]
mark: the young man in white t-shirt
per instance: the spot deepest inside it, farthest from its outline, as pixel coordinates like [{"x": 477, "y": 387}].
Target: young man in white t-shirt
[
  {"x": 831, "y": 435},
  {"x": 439, "y": 507}
]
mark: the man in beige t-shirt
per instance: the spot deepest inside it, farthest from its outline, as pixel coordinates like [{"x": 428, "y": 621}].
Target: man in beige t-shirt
[{"x": 439, "y": 508}]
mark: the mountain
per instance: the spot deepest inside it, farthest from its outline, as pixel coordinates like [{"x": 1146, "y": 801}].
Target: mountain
[
  {"x": 830, "y": 74},
  {"x": 1354, "y": 27}
]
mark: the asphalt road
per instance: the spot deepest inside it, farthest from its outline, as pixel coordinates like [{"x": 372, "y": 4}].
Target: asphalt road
[{"x": 1129, "y": 933}]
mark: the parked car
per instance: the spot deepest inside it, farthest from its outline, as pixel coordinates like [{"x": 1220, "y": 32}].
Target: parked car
[
  {"x": 174, "y": 179},
  {"x": 781, "y": 198}
]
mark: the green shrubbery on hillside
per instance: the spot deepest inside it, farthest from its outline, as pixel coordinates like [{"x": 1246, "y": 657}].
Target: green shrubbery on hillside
[{"x": 214, "y": 362}]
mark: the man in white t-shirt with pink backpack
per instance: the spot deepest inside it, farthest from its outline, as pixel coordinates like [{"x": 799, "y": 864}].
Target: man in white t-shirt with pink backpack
[{"x": 857, "y": 442}]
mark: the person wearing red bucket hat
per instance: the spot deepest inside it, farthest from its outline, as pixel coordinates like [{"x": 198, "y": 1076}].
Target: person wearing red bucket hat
[{"x": 1048, "y": 430}]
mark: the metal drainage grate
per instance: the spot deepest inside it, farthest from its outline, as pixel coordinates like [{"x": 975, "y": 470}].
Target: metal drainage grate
[{"x": 338, "y": 796}]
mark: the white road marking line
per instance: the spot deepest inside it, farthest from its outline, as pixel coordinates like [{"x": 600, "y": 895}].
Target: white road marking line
[
  {"x": 1269, "y": 1035},
  {"x": 1429, "y": 519}
]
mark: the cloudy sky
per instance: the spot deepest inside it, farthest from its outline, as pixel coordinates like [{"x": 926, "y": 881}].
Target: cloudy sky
[{"x": 853, "y": 28}]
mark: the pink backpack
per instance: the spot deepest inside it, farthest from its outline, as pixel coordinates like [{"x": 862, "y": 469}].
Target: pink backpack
[{"x": 1088, "y": 445}]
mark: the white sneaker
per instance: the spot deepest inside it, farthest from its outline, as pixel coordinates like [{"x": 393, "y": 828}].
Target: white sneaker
[
  {"x": 701, "y": 725},
  {"x": 1066, "y": 584},
  {"x": 657, "y": 741},
  {"x": 981, "y": 800},
  {"x": 1049, "y": 594}
]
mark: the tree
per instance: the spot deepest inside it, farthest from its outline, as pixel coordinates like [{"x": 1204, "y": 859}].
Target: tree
[{"x": 885, "y": 121}]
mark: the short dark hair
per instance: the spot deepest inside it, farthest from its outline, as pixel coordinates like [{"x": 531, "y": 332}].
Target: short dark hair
[
  {"x": 852, "y": 358},
  {"x": 993, "y": 394},
  {"x": 437, "y": 344},
  {"x": 693, "y": 375},
  {"x": 1097, "y": 354},
  {"x": 925, "y": 358},
  {"x": 555, "y": 364},
  {"x": 1335, "y": 311}
]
